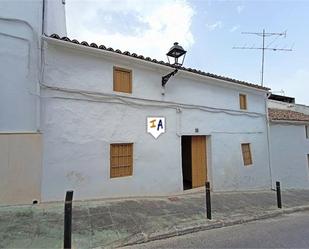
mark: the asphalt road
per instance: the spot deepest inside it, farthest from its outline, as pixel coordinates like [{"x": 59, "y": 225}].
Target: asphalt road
[{"x": 289, "y": 231}]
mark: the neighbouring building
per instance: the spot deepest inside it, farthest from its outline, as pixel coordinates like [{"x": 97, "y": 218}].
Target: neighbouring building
[
  {"x": 21, "y": 25},
  {"x": 289, "y": 137},
  {"x": 74, "y": 115}
]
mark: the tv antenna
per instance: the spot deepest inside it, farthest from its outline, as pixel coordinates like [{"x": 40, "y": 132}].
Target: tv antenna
[{"x": 263, "y": 48}]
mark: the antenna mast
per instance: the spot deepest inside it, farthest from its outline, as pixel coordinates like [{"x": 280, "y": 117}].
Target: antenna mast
[{"x": 263, "y": 48}]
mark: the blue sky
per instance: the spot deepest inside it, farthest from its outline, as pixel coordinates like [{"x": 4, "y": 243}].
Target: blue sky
[{"x": 208, "y": 30}]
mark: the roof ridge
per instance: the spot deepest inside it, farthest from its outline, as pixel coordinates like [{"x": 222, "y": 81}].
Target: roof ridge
[{"x": 141, "y": 57}]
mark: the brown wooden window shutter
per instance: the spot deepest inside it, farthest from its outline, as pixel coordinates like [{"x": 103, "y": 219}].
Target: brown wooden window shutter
[
  {"x": 121, "y": 160},
  {"x": 246, "y": 154},
  {"x": 122, "y": 80},
  {"x": 243, "y": 101}
]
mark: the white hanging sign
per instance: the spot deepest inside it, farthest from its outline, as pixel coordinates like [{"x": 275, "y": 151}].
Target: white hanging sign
[{"x": 155, "y": 126}]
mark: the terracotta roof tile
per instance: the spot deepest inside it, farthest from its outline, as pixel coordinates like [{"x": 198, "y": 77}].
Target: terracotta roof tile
[
  {"x": 286, "y": 115},
  {"x": 126, "y": 53}
]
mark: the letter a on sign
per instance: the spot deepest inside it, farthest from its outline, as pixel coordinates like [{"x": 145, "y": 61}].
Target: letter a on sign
[{"x": 155, "y": 126}]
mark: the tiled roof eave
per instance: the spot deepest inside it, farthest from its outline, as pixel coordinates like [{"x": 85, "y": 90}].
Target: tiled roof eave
[
  {"x": 296, "y": 122},
  {"x": 281, "y": 115},
  {"x": 141, "y": 57}
]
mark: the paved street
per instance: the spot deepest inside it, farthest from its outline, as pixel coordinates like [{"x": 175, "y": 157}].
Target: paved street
[
  {"x": 114, "y": 223},
  {"x": 289, "y": 231}
]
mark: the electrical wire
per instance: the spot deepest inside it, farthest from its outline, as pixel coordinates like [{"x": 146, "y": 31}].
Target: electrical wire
[{"x": 139, "y": 102}]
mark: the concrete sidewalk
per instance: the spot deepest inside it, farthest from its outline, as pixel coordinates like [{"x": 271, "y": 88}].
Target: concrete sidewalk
[{"x": 115, "y": 223}]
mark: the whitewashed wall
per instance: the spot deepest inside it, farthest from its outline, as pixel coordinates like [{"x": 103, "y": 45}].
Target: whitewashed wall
[
  {"x": 78, "y": 128},
  {"x": 20, "y": 69},
  {"x": 288, "y": 106},
  {"x": 20, "y": 25},
  {"x": 55, "y": 19},
  {"x": 20, "y": 72},
  {"x": 289, "y": 150}
]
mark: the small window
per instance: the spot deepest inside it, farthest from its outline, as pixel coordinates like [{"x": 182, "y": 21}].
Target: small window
[
  {"x": 246, "y": 154},
  {"x": 122, "y": 80},
  {"x": 307, "y": 131},
  {"x": 243, "y": 101},
  {"x": 121, "y": 160}
]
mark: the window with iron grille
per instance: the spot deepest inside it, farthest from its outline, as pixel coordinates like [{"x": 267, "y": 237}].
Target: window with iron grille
[{"x": 121, "y": 160}]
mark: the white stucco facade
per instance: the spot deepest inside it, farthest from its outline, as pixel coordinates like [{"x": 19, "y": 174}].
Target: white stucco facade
[
  {"x": 54, "y": 17},
  {"x": 22, "y": 24},
  {"x": 59, "y": 115},
  {"x": 289, "y": 147},
  {"x": 21, "y": 28},
  {"x": 82, "y": 116},
  {"x": 289, "y": 158},
  {"x": 288, "y": 106}
]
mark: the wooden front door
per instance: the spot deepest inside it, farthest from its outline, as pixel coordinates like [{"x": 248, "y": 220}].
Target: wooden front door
[{"x": 199, "y": 161}]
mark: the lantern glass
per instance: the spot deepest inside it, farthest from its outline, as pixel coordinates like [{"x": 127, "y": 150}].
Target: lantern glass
[{"x": 176, "y": 55}]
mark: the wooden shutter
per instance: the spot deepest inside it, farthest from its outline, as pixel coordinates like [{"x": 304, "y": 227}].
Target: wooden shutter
[
  {"x": 243, "y": 101},
  {"x": 122, "y": 80},
  {"x": 246, "y": 154},
  {"x": 121, "y": 160}
]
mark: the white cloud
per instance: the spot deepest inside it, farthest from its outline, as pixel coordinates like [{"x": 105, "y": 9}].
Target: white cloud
[
  {"x": 240, "y": 8},
  {"x": 216, "y": 25},
  {"x": 234, "y": 28},
  {"x": 146, "y": 27}
]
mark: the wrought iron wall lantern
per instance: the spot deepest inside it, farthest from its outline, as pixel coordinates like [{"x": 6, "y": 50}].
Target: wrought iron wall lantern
[{"x": 175, "y": 56}]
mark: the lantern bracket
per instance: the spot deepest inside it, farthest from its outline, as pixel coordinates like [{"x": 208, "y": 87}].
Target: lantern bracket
[{"x": 168, "y": 76}]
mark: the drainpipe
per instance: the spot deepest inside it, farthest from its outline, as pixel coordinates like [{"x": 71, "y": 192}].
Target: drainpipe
[
  {"x": 268, "y": 140},
  {"x": 41, "y": 73},
  {"x": 43, "y": 17}
]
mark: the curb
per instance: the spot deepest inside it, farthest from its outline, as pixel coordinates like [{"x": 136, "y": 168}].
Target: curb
[{"x": 204, "y": 225}]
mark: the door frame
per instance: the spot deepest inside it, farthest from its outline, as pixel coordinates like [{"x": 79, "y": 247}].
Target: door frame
[{"x": 207, "y": 157}]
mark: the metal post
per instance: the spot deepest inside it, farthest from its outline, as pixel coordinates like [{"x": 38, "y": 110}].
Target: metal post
[
  {"x": 263, "y": 51},
  {"x": 67, "y": 241},
  {"x": 208, "y": 203},
  {"x": 279, "y": 203}
]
